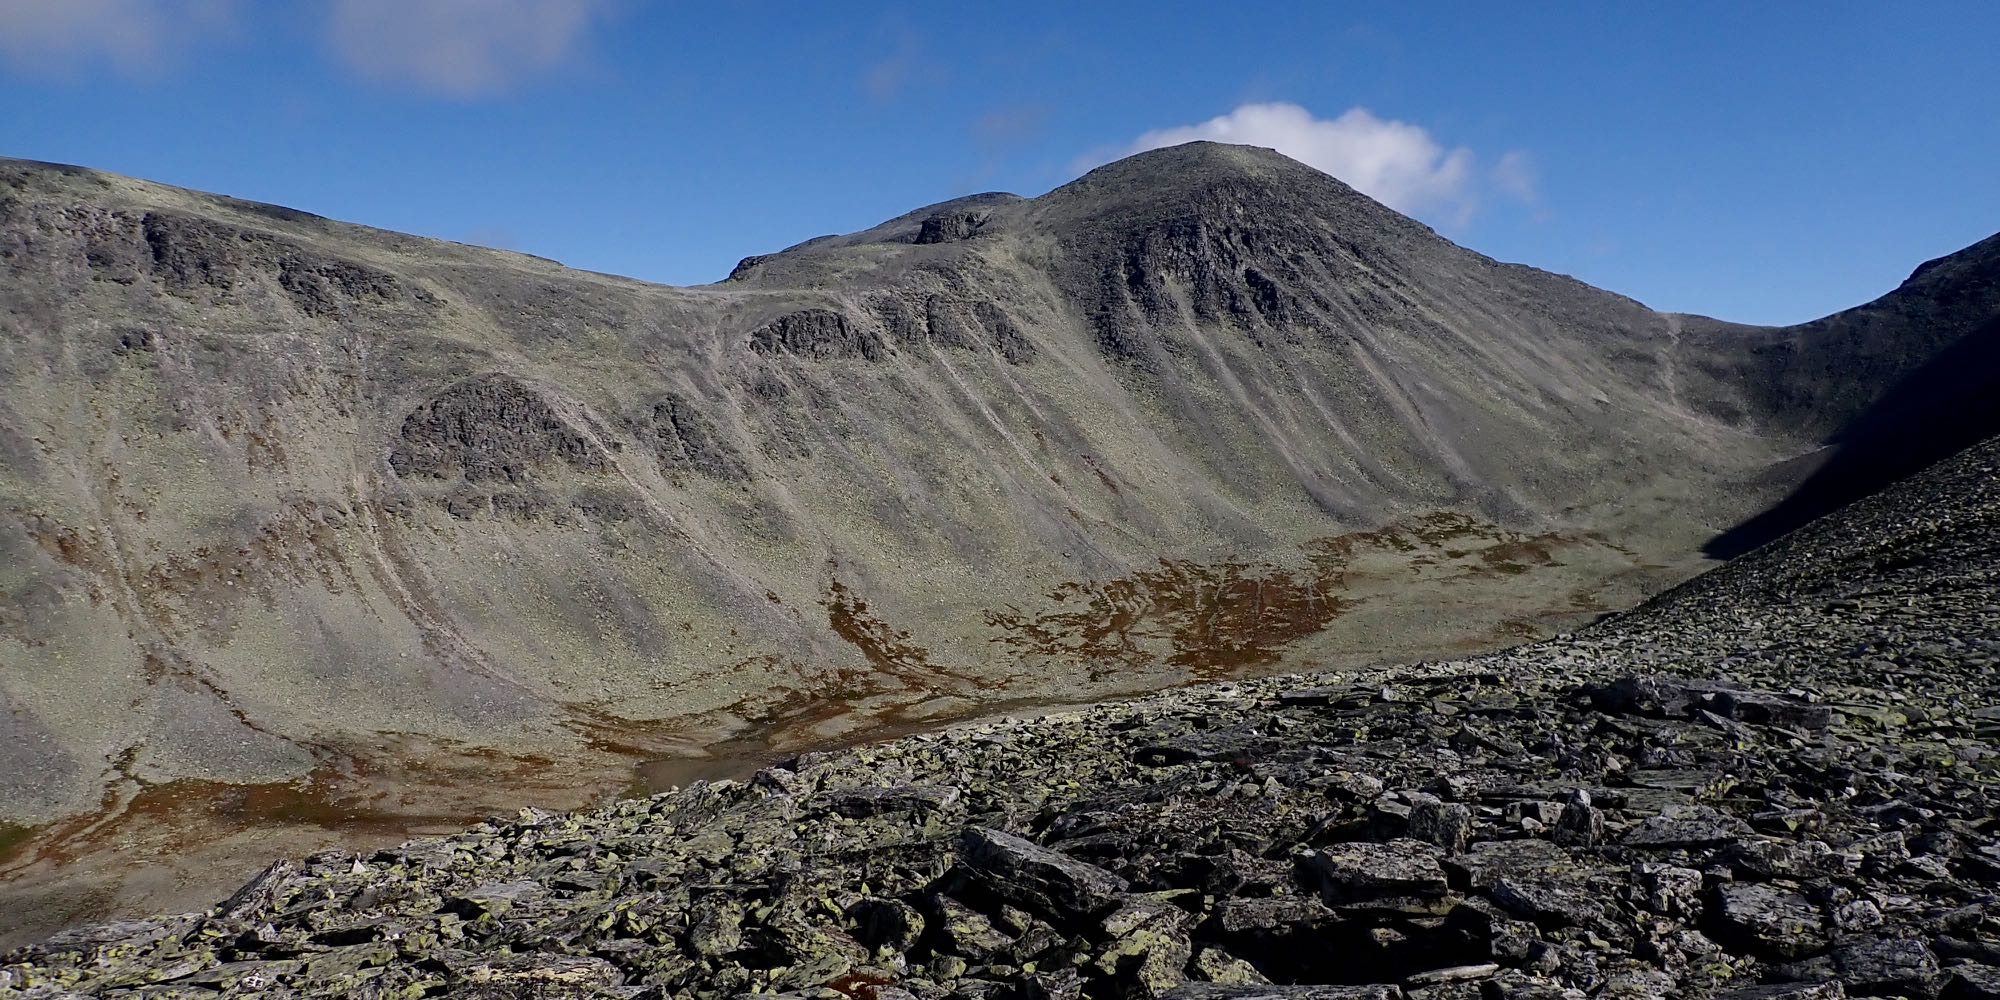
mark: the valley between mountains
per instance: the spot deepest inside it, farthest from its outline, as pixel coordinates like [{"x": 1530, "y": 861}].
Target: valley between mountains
[{"x": 317, "y": 536}]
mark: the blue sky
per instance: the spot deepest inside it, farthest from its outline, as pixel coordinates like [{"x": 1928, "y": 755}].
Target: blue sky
[{"x": 1764, "y": 162}]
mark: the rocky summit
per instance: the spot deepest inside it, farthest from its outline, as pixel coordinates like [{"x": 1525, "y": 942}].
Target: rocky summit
[{"x": 1780, "y": 780}]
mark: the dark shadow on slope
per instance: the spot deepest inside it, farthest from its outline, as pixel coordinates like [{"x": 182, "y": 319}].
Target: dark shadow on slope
[{"x": 1949, "y": 404}]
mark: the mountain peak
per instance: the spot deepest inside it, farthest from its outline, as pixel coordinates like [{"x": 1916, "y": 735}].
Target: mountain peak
[
  {"x": 1207, "y": 153},
  {"x": 1201, "y": 165},
  {"x": 1229, "y": 185},
  {"x": 1221, "y": 184}
]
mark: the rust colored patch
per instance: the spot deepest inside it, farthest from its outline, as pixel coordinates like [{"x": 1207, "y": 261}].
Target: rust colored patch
[
  {"x": 888, "y": 649},
  {"x": 1213, "y": 618},
  {"x": 606, "y": 733},
  {"x": 171, "y": 815},
  {"x": 1229, "y": 618},
  {"x": 1098, "y": 470},
  {"x": 312, "y": 801},
  {"x": 793, "y": 701},
  {"x": 408, "y": 786},
  {"x": 1515, "y": 556}
]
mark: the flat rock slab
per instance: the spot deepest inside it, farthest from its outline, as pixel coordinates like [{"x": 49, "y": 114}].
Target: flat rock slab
[
  {"x": 1271, "y": 914},
  {"x": 1770, "y": 921},
  {"x": 1972, "y": 982},
  {"x": 922, "y": 800},
  {"x": 1654, "y": 695},
  {"x": 1551, "y": 901},
  {"x": 494, "y": 898},
  {"x": 1028, "y": 874},
  {"x": 1486, "y": 862},
  {"x": 1687, "y": 827},
  {"x": 1363, "y": 872},
  {"x": 1767, "y": 708},
  {"x": 1874, "y": 966},
  {"x": 1453, "y": 974}
]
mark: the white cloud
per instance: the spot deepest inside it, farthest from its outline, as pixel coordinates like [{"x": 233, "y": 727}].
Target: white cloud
[
  {"x": 66, "y": 37},
  {"x": 1396, "y": 163},
  {"x": 460, "y": 48},
  {"x": 1516, "y": 177}
]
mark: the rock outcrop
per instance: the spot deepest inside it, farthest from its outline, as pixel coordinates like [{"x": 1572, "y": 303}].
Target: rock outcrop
[
  {"x": 818, "y": 333},
  {"x": 493, "y": 428}
]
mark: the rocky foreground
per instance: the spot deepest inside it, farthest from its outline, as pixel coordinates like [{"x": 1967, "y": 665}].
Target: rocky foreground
[{"x": 1778, "y": 781}]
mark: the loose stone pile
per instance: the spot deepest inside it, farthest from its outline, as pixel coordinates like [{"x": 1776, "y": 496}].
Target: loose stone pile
[{"x": 1780, "y": 781}]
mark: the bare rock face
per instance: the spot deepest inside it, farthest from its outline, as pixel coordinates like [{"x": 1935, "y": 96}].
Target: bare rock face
[
  {"x": 818, "y": 333},
  {"x": 190, "y": 252},
  {"x": 1005, "y": 336},
  {"x": 949, "y": 227},
  {"x": 203, "y": 259},
  {"x": 493, "y": 428},
  {"x": 914, "y": 319},
  {"x": 1201, "y": 256},
  {"x": 1209, "y": 270}
]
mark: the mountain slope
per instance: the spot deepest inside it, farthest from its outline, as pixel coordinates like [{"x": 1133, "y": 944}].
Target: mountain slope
[
  {"x": 300, "y": 506},
  {"x": 1828, "y": 379},
  {"x": 1778, "y": 780}
]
